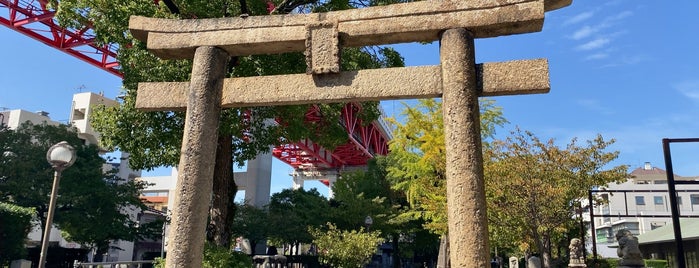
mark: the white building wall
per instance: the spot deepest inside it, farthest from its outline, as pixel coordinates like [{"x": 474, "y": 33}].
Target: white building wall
[
  {"x": 14, "y": 118},
  {"x": 645, "y": 195}
]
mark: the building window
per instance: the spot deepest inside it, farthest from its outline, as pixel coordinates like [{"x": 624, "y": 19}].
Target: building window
[
  {"x": 679, "y": 200},
  {"x": 656, "y": 224},
  {"x": 640, "y": 201},
  {"x": 658, "y": 200},
  {"x": 694, "y": 199}
]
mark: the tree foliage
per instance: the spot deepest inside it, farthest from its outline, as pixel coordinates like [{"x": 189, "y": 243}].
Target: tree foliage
[
  {"x": 252, "y": 223},
  {"x": 534, "y": 186},
  {"x": 531, "y": 186},
  {"x": 417, "y": 162},
  {"x": 92, "y": 204},
  {"x": 292, "y": 212},
  {"x": 369, "y": 193},
  {"x": 15, "y": 224},
  {"x": 345, "y": 249},
  {"x": 359, "y": 194}
]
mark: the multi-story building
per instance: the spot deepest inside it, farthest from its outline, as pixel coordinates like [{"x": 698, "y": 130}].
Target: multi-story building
[
  {"x": 640, "y": 204},
  {"x": 14, "y": 118}
]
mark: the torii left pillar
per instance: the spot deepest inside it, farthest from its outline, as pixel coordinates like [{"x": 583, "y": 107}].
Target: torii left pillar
[{"x": 195, "y": 179}]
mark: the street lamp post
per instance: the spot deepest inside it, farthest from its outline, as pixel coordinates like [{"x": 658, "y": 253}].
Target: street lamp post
[
  {"x": 164, "y": 235},
  {"x": 60, "y": 156},
  {"x": 368, "y": 221}
]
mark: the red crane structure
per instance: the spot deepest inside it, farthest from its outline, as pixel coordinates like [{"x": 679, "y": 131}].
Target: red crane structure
[{"x": 36, "y": 20}]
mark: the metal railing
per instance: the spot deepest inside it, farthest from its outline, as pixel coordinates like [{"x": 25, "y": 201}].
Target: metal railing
[{"x": 115, "y": 264}]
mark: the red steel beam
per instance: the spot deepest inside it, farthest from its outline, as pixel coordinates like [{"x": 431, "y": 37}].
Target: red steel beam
[
  {"x": 32, "y": 18},
  {"x": 363, "y": 143}
]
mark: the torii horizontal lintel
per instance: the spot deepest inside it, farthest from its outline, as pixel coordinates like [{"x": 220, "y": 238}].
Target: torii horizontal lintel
[
  {"x": 495, "y": 79},
  {"x": 419, "y": 21}
]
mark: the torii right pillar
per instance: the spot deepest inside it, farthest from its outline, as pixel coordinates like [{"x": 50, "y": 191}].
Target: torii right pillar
[{"x": 468, "y": 228}]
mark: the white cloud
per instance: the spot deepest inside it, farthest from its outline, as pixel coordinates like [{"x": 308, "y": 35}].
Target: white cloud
[
  {"x": 583, "y": 32},
  {"x": 689, "y": 89},
  {"x": 620, "y": 16},
  {"x": 594, "y": 44},
  {"x": 597, "y": 56},
  {"x": 579, "y": 18},
  {"x": 627, "y": 60}
]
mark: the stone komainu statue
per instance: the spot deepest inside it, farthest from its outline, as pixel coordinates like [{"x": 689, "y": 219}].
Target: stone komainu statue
[
  {"x": 628, "y": 249},
  {"x": 576, "y": 251},
  {"x": 577, "y": 254}
]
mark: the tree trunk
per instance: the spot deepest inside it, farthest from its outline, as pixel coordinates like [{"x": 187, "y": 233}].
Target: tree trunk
[
  {"x": 222, "y": 205},
  {"x": 443, "y": 259},
  {"x": 102, "y": 248},
  {"x": 396, "y": 253},
  {"x": 546, "y": 251},
  {"x": 41, "y": 213}
]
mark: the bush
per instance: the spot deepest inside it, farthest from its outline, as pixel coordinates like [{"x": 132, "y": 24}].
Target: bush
[
  {"x": 656, "y": 263},
  {"x": 613, "y": 263},
  {"x": 345, "y": 249},
  {"x": 15, "y": 224},
  {"x": 218, "y": 257},
  {"x": 604, "y": 263}
]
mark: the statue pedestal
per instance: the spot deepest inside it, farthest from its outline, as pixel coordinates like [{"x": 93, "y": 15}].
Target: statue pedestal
[{"x": 577, "y": 264}]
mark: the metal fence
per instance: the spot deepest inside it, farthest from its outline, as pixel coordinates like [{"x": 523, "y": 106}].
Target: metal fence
[{"x": 116, "y": 264}]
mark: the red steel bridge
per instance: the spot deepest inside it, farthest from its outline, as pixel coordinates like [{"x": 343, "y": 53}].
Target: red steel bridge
[{"x": 34, "y": 19}]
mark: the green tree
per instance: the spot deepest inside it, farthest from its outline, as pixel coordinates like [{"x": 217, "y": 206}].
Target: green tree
[
  {"x": 252, "y": 223},
  {"x": 153, "y": 139},
  {"x": 93, "y": 204},
  {"x": 15, "y": 225},
  {"x": 534, "y": 186},
  {"x": 369, "y": 193},
  {"x": 359, "y": 194},
  {"x": 345, "y": 249},
  {"x": 292, "y": 212}
]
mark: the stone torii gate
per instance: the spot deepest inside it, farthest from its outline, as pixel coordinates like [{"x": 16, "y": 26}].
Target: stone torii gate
[{"x": 458, "y": 80}]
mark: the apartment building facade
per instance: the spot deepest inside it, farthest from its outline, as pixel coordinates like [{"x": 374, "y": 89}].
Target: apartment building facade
[{"x": 640, "y": 204}]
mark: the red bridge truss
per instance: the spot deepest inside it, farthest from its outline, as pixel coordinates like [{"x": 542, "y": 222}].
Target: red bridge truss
[{"x": 34, "y": 19}]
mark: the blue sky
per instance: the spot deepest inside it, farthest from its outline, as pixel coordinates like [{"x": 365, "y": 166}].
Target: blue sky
[{"x": 625, "y": 69}]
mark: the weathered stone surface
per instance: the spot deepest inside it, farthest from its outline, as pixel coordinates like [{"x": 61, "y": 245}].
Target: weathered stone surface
[
  {"x": 556, "y": 4},
  {"x": 495, "y": 79},
  {"x": 322, "y": 48},
  {"x": 398, "y": 23},
  {"x": 465, "y": 183},
  {"x": 195, "y": 179}
]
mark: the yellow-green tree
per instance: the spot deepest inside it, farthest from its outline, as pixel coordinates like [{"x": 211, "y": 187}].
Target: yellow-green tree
[
  {"x": 533, "y": 185},
  {"x": 417, "y": 162}
]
